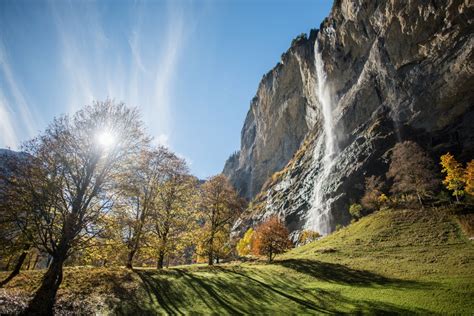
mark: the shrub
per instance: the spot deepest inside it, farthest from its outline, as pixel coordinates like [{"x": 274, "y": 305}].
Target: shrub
[
  {"x": 373, "y": 190},
  {"x": 356, "y": 211},
  {"x": 308, "y": 236}
]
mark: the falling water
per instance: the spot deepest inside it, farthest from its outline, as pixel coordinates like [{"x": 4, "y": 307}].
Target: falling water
[{"x": 325, "y": 150}]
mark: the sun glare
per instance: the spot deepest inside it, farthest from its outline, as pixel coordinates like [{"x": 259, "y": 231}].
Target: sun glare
[{"x": 106, "y": 139}]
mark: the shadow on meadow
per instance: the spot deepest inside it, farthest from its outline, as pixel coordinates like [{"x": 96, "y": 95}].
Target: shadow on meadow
[
  {"x": 337, "y": 273},
  {"x": 237, "y": 290}
]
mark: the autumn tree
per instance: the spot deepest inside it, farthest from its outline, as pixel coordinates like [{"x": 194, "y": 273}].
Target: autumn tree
[
  {"x": 173, "y": 214},
  {"x": 80, "y": 160},
  {"x": 469, "y": 178},
  {"x": 244, "y": 246},
  {"x": 138, "y": 193},
  {"x": 271, "y": 238},
  {"x": 219, "y": 207},
  {"x": 455, "y": 175},
  {"x": 373, "y": 190},
  {"x": 412, "y": 171},
  {"x": 15, "y": 206}
]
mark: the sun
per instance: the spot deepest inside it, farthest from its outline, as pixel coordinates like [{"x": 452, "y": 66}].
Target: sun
[{"x": 106, "y": 139}]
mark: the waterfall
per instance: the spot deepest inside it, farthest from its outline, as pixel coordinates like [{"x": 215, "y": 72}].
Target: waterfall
[{"x": 319, "y": 215}]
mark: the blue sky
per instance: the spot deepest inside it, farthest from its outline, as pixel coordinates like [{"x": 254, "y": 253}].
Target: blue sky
[{"x": 192, "y": 67}]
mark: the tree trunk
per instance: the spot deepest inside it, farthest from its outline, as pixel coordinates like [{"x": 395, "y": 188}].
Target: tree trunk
[
  {"x": 36, "y": 261},
  {"x": 421, "y": 202},
  {"x": 131, "y": 254},
  {"x": 161, "y": 258},
  {"x": 217, "y": 260},
  {"x": 211, "y": 252},
  {"x": 18, "y": 265},
  {"x": 210, "y": 258},
  {"x": 43, "y": 301}
]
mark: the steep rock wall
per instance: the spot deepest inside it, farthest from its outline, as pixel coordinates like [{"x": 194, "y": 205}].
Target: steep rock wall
[{"x": 396, "y": 70}]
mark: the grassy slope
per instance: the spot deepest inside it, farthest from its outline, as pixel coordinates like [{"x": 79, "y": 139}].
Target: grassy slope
[{"x": 391, "y": 261}]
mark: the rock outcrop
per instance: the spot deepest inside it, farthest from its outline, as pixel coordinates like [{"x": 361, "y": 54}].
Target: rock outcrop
[
  {"x": 281, "y": 114},
  {"x": 395, "y": 69}
]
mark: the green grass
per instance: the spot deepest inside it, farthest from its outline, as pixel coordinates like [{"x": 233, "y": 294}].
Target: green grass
[{"x": 390, "y": 262}]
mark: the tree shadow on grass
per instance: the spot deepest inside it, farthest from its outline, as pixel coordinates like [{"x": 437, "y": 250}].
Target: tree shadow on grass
[
  {"x": 162, "y": 290},
  {"x": 234, "y": 290},
  {"x": 209, "y": 290},
  {"x": 337, "y": 273},
  {"x": 128, "y": 299}
]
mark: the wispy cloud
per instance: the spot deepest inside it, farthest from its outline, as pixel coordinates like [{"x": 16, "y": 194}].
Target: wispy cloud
[
  {"x": 7, "y": 132},
  {"x": 96, "y": 67},
  {"x": 15, "y": 115}
]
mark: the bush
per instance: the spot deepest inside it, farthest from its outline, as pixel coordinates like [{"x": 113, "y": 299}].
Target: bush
[
  {"x": 373, "y": 190},
  {"x": 356, "y": 211},
  {"x": 308, "y": 236}
]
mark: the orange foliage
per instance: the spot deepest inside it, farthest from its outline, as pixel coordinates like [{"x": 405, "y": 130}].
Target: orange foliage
[{"x": 271, "y": 238}]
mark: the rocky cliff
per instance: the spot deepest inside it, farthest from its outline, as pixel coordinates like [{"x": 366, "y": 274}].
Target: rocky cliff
[
  {"x": 387, "y": 71},
  {"x": 281, "y": 114}
]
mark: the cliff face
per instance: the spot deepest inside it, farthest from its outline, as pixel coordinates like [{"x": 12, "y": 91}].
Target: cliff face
[
  {"x": 280, "y": 115},
  {"x": 394, "y": 70}
]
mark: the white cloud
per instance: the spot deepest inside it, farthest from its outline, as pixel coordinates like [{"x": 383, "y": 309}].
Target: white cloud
[
  {"x": 16, "y": 118},
  {"x": 7, "y": 133}
]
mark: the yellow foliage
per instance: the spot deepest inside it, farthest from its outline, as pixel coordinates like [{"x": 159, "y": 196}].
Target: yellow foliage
[
  {"x": 244, "y": 246},
  {"x": 455, "y": 178},
  {"x": 308, "y": 236},
  {"x": 383, "y": 199},
  {"x": 469, "y": 177}
]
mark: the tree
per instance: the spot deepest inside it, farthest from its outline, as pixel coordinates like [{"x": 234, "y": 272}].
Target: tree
[
  {"x": 271, "y": 238},
  {"x": 173, "y": 210},
  {"x": 412, "y": 171},
  {"x": 308, "y": 236},
  {"x": 15, "y": 206},
  {"x": 373, "y": 190},
  {"x": 81, "y": 159},
  {"x": 356, "y": 211},
  {"x": 138, "y": 197},
  {"x": 455, "y": 177},
  {"x": 219, "y": 207},
  {"x": 469, "y": 178},
  {"x": 244, "y": 246}
]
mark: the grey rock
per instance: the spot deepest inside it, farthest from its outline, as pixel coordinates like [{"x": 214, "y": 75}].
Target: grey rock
[{"x": 397, "y": 70}]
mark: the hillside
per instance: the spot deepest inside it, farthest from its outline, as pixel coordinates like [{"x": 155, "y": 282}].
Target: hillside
[{"x": 391, "y": 261}]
